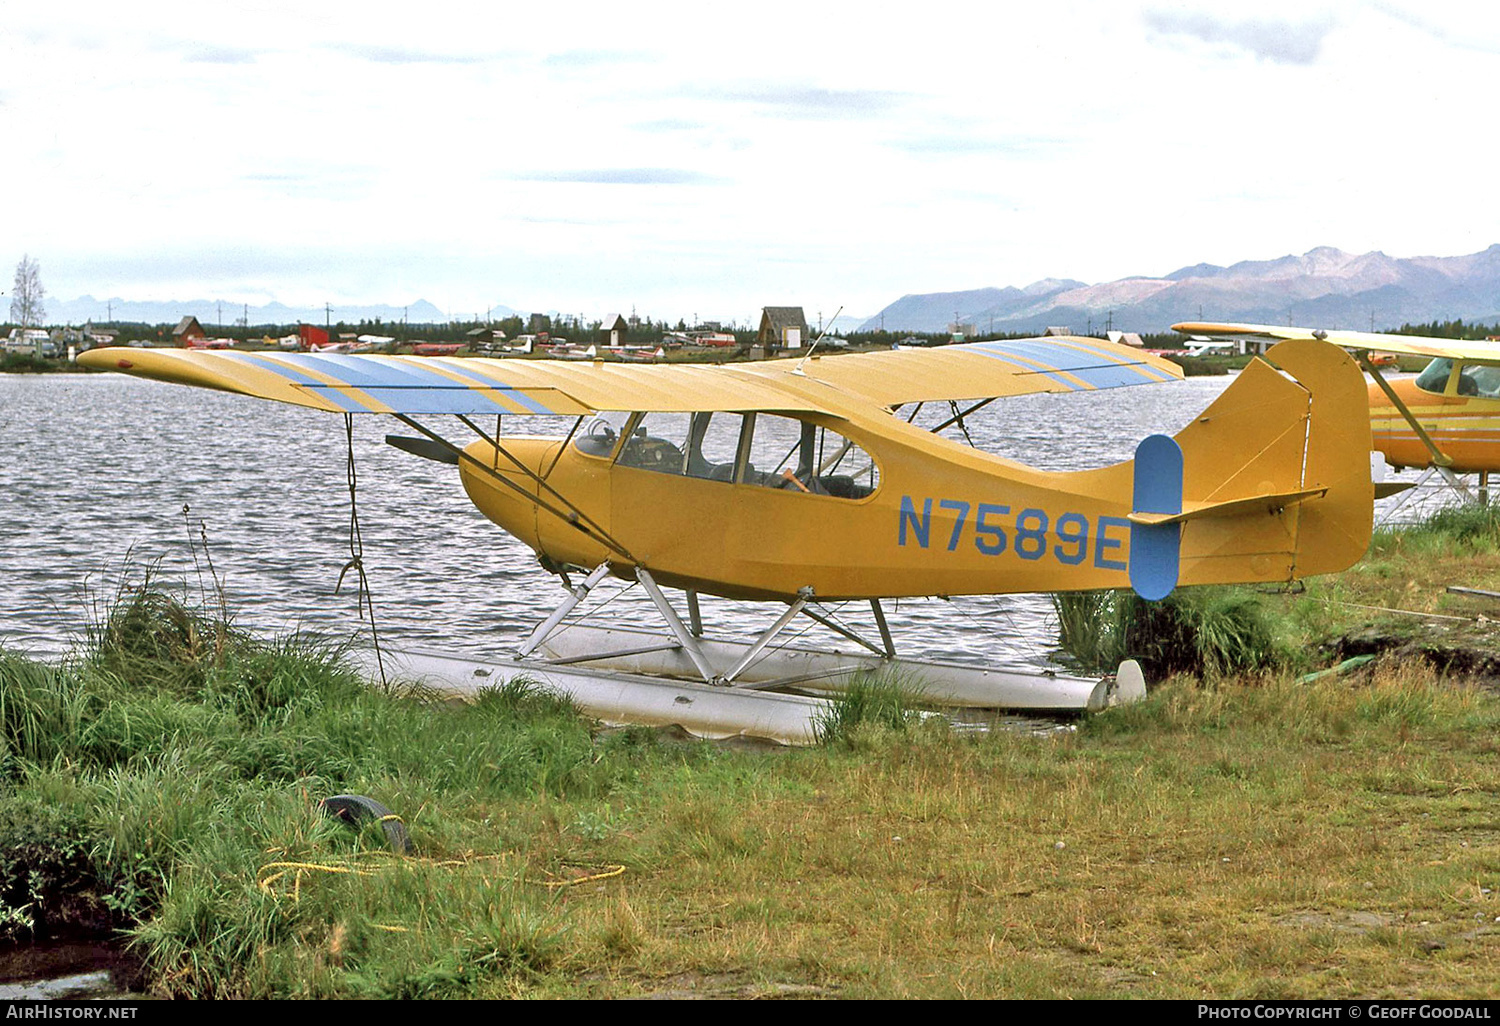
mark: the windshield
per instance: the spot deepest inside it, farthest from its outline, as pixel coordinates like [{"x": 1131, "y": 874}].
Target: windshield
[{"x": 1435, "y": 377}]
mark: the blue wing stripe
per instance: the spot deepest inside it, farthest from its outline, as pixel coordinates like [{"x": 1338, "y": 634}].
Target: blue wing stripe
[
  {"x": 294, "y": 375},
  {"x": 1026, "y": 368},
  {"x": 1069, "y": 358},
  {"x": 1112, "y": 359},
  {"x": 422, "y": 390},
  {"x": 1060, "y": 359},
  {"x": 510, "y": 391}
]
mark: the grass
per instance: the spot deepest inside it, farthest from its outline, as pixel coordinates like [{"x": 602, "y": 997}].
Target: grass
[
  {"x": 1238, "y": 834},
  {"x": 30, "y": 363},
  {"x": 1208, "y": 631},
  {"x": 878, "y": 703}
]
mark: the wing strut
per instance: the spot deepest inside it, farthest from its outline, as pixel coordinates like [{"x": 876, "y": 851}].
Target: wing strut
[
  {"x": 1441, "y": 461},
  {"x": 573, "y": 516},
  {"x": 1439, "y": 457}
]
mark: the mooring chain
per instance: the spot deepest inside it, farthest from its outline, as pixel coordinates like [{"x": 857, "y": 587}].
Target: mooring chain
[{"x": 365, "y": 600}]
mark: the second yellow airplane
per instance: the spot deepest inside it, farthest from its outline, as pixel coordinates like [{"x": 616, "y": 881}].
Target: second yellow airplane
[{"x": 1446, "y": 418}]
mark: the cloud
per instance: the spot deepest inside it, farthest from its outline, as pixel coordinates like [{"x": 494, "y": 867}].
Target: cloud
[
  {"x": 1477, "y": 34},
  {"x": 408, "y": 55},
  {"x": 622, "y": 176},
  {"x": 670, "y": 125},
  {"x": 1279, "y": 42},
  {"x": 220, "y": 55},
  {"x": 571, "y": 60},
  {"x": 808, "y": 102},
  {"x": 959, "y": 145}
]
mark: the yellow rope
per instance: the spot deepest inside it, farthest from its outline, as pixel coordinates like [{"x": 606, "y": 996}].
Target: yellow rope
[
  {"x": 389, "y": 859},
  {"x": 611, "y": 871}
]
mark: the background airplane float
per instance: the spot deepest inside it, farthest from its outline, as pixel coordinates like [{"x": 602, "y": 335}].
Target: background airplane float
[
  {"x": 796, "y": 482},
  {"x": 1446, "y": 419}
]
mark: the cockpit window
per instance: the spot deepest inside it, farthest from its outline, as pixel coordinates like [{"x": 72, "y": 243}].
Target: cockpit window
[
  {"x": 797, "y": 455},
  {"x": 597, "y": 437},
  {"x": 1435, "y": 377},
  {"x": 1486, "y": 380},
  {"x": 703, "y": 445},
  {"x": 714, "y": 445},
  {"x": 755, "y": 448},
  {"x": 657, "y": 442}
]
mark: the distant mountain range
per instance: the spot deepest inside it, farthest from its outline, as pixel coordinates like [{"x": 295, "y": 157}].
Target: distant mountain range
[
  {"x": 1325, "y": 287},
  {"x": 209, "y": 311}
]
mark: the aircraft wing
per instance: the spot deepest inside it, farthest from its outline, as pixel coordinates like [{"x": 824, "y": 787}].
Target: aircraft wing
[
  {"x": 981, "y": 370},
  {"x": 1412, "y": 345},
  {"x": 348, "y": 383},
  {"x": 340, "y": 383}
]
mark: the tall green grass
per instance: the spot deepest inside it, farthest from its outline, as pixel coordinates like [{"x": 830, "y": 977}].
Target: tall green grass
[
  {"x": 1205, "y": 631},
  {"x": 1468, "y": 528},
  {"x": 870, "y": 701},
  {"x": 152, "y": 776}
]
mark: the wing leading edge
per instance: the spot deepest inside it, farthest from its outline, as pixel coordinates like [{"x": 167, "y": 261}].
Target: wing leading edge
[
  {"x": 982, "y": 370},
  {"x": 345, "y": 383},
  {"x": 340, "y": 383}
]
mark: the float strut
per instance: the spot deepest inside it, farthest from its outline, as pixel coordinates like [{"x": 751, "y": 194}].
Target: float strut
[
  {"x": 577, "y": 595},
  {"x": 684, "y": 636},
  {"x": 1455, "y": 482},
  {"x": 885, "y": 630},
  {"x": 803, "y": 594}
]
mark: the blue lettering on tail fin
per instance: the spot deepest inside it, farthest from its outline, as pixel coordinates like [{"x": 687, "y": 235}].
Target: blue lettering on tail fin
[{"x": 1155, "y": 548}]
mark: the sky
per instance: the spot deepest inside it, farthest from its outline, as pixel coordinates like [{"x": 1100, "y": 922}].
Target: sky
[{"x": 701, "y": 161}]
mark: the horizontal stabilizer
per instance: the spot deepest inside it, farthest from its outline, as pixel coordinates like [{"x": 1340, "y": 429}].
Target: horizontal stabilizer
[{"x": 1270, "y": 502}]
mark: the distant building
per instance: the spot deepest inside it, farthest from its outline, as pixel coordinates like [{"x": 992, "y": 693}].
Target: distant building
[
  {"x": 312, "y": 336},
  {"x": 613, "y": 329},
  {"x": 961, "y": 331},
  {"x": 1054, "y": 330},
  {"x": 781, "y": 327},
  {"x": 1126, "y": 338},
  {"x": 100, "y": 336},
  {"x": 485, "y": 339},
  {"x": 187, "y": 329}
]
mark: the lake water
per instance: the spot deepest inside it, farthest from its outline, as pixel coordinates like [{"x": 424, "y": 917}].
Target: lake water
[{"x": 107, "y": 477}]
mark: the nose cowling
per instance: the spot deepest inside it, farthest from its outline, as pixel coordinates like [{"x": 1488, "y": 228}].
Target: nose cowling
[
  {"x": 503, "y": 490},
  {"x": 562, "y": 521}
]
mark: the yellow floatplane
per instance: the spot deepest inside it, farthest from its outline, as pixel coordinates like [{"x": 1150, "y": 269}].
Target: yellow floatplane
[
  {"x": 804, "y": 482},
  {"x": 1446, "y": 419}
]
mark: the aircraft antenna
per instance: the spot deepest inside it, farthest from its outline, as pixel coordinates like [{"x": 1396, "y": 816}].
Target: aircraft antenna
[{"x": 798, "y": 369}]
